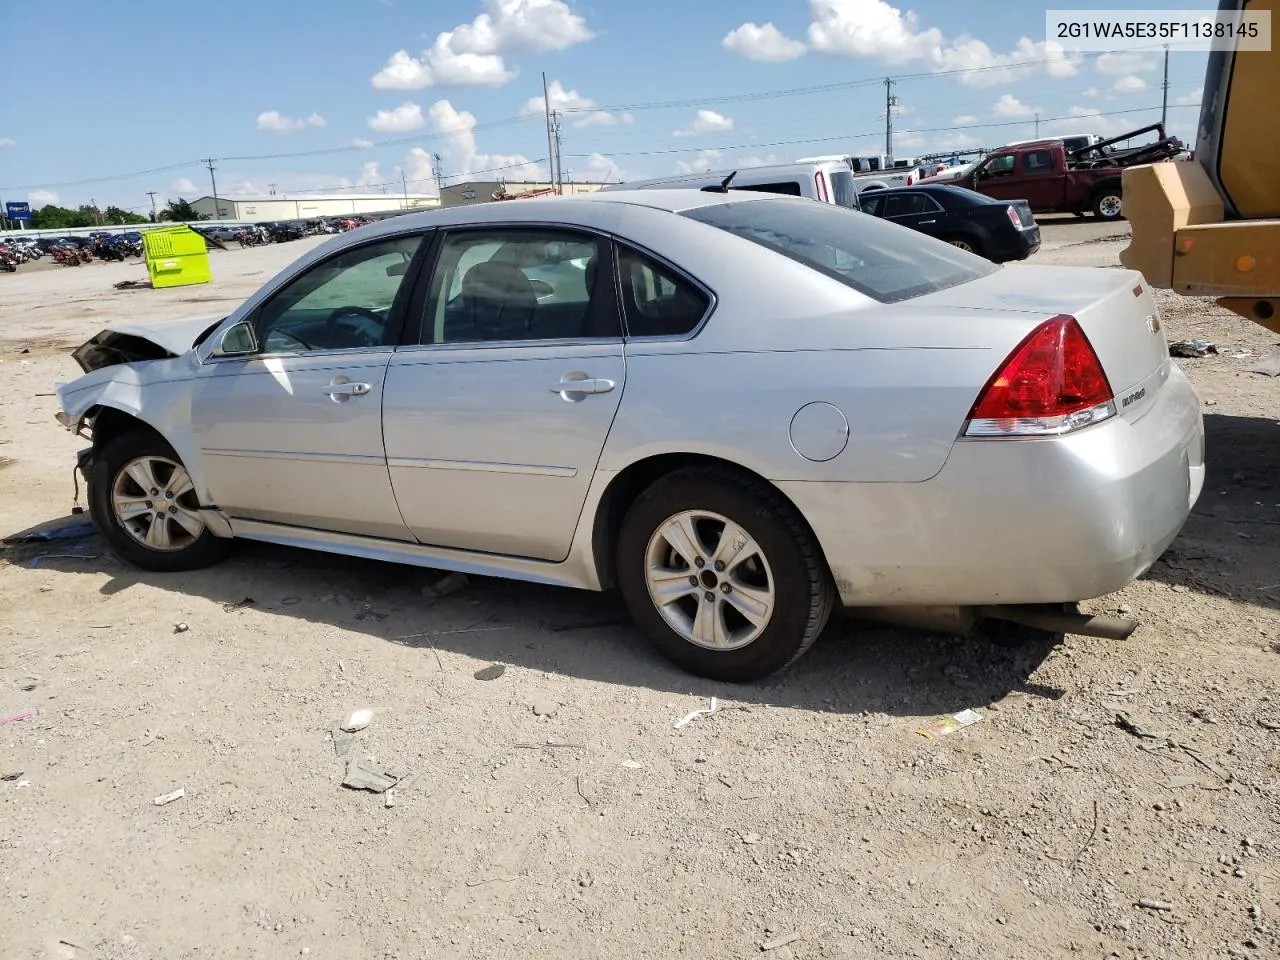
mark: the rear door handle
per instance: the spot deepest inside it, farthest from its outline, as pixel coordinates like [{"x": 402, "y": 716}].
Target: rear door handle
[
  {"x": 591, "y": 385},
  {"x": 346, "y": 389}
]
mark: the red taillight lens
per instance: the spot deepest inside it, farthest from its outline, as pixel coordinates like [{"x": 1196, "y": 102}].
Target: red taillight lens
[
  {"x": 820, "y": 180},
  {"x": 1013, "y": 216},
  {"x": 910, "y": 179},
  {"x": 1051, "y": 384}
]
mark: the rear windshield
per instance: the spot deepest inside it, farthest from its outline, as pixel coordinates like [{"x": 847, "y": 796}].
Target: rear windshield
[
  {"x": 843, "y": 191},
  {"x": 882, "y": 260}
]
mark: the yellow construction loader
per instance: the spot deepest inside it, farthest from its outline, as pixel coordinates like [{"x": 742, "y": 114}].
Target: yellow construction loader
[{"x": 1211, "y": 226}]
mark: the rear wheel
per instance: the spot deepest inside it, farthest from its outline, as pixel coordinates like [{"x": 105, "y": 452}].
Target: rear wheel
[
  {"x": 1107, "y": 205},
  {"x": 142, "y": 499},
  {"x": 966, "y": 244},
  {"x": 722, "y": 574}
]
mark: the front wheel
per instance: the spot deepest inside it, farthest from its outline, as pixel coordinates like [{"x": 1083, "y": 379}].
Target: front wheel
[
  {"x": 1107, "y": 205},
  {"x": 722, "y": 574},
  {"x": 144, "y": 503}
]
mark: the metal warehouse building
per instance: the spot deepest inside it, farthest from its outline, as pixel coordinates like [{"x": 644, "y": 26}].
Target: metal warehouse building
[
  {"x": 284, "y": 206},
  {"x": 484, "y": 191}
]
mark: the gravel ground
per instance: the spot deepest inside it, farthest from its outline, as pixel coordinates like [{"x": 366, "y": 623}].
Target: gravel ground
[{"x": 556, "y": 811}]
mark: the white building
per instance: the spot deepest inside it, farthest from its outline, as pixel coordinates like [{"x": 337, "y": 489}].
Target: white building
[
  {"x": 306, "y": 206},
  {"x": 485, "y": 191}
]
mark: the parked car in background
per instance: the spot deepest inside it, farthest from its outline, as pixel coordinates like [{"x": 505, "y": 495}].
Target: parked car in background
[
  {"x": 739, "y": 408},
  {"x": 1000, "y": 230},
  {"x": 827, "y": 181}
]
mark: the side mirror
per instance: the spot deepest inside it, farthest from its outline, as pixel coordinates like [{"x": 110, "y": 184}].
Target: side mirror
[{"x": 236, "y": 341}]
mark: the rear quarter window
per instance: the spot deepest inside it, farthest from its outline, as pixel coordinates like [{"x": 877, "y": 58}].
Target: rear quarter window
[{"x": 884, "y": 261}]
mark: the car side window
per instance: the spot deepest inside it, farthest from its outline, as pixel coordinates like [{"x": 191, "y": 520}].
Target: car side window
[
  {"x": 906, "y": 204},
  {"x": 502, "y": 284},
  {"x": 656, "y": 302},
  {"x": 1037, "y": 162},
  {"x": 999, "y": 166},
  {"x": 788, "y": 188},
  {"x": 342, "y": 303},
  {"x": 873, "y": 203}
]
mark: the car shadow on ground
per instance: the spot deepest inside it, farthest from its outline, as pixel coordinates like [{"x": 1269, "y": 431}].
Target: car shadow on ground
[
  {"x": 855, "y": 666},
  {"x": 1230, "y": 546}
]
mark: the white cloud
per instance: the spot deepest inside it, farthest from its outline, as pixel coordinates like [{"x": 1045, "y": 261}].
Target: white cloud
[
  {"x": 1130, "y": 84},
  {"x": 1088, "y": 120},
  {"x": 1191, "y": 98},
  {"x": 276, "y": 122},
  {"x": 766, "y": 43},
  {"x": 369, "y": 175},
  {"x": 599, "y": 169},
  {"x": 964, "y": 120},
  {"x": 1089, "y": 92},
  {"x": 1010, "y": 106},
  {"x": 407, "y": 116},
  {"x": 573, "y": 103},
  {"x": 362, "y": 144},
  {"x": 1118, "y": 64},
  {"x": 7, "y": 142},
  {"x": 41, "y": 198},
  {"x": 704, "y": 160},
  {"x": 904, "y": 140},
  {"x": 183, "y": 185},
  {"x": 461, "y": 154},
  {"x": 472, "y": 53},
  {"x": 873, "y": 29},
  {"x": 705, "y": 121},
  {"x": 764, "y": 161}
]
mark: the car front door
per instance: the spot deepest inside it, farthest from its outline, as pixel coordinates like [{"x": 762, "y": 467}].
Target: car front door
[
  {"x": 495, "y": 420},
  {"x": 996, "y": 177},
  {"x": 290, "y": 430}
]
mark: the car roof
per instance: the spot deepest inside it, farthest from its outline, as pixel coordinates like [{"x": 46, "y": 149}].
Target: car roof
[
  {"x": 802, "y": 168},
  {"x": 950, "y": 189}
]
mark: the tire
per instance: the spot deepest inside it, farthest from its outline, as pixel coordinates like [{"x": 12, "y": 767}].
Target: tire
[
  {"x": 967, "y": 244},
  {"x": 165, "y": 541},
  {"x": 780, "y": 568},
  {"x": 1107, "y": 204}
]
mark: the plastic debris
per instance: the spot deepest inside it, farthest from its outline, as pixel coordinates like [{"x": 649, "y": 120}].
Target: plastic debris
[
  {"x": 945, "y": 725},
  {"x": 239, "y": 604},
  {"x": 491, "y": 672},
  {"x": 356, "y": 721},
  {"x": 180, "y": 628},
  {"x": 1194, "y": 347},
  {"x": 633, "y": 764},
  {"x": 694, "y": 715},
  {"x": 10, "y": 777},
  {"x": 1155, "y": 905},
  {"x": 25, "y": 715},
  {"x": 777, "y": 942},
  {"x": 448, "y": 584},
  {"x": 365, "y": 775},
  {"x": 70, "y": 531},
  {"x": 170, "y": 797},
  {"x": 1270, "y": 367}
]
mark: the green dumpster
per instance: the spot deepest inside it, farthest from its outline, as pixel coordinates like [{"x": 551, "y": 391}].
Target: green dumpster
[{"x": 176, "y": 256}]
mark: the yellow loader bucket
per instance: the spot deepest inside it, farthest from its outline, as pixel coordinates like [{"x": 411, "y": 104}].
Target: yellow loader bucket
[{"x": 176, "y": 256}]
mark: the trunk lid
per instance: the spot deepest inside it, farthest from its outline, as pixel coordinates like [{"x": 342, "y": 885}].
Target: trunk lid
[{"x": 1114, "y": 308}]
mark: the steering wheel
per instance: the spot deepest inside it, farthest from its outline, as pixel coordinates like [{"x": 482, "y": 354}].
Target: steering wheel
[
  {"x": 331, "y": 324},
  {"x": 277, "y": 332}
]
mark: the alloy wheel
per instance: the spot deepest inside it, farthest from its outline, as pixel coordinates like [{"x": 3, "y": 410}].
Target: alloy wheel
[
  {"x": 710, "y": 580},
  {"x": 154, "y": 501}
]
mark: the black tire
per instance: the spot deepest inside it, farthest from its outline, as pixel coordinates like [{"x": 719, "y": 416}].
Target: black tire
[
  {"x": 186, "y": 552},
  {"x": 1107, "y": 204},
  {"x": 966, "y": 243},
  {"x": 802, "y": 589}
]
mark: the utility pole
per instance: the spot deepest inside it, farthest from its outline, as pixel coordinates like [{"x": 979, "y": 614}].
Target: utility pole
[
  {"x": 437, "y": 172},
  {"x": 97, "y": 214},
  {"x": 271, "y": 187},
  {"x": 555, "y": 126},
  {"x": 404, "y": 188},
  {"x": 1164, "y": 87},
  {"x": 890, "y": 101},
  {"x": 546, "y": 110},
  {"x": 1037, "y": 124},
  {"x": 152, "y": 195},
  {"x": 217, "y": 211}
]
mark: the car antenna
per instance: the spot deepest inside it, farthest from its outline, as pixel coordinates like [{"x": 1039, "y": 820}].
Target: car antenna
[{"x": 724, "y": 184}]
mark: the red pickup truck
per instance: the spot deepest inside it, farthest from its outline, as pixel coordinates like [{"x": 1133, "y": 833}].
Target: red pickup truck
[{"x": 1053, "y": 179}]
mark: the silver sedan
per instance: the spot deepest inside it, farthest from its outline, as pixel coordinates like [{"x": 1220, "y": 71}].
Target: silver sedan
[{"x": 739, "y": 410}]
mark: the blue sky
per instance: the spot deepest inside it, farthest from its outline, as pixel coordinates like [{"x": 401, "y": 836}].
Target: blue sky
[{"x": 348, "y": 94}]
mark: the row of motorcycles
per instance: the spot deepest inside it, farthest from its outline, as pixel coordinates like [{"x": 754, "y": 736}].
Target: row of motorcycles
[{"x": 69, "y": 251}]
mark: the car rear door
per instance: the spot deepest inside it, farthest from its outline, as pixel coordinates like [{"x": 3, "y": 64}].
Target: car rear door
[
  {"x": 290, "y": 431},
  {"x": 916, "y": 210},
  {"x": 495, "y": 418}
]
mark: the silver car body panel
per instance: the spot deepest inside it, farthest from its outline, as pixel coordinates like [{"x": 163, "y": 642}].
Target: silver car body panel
[{"x": 462, "y": 457}]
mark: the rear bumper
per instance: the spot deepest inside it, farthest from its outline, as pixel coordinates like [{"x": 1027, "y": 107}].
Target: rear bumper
[
  {"x": 1013, "y": 244},
  {"x": 1018, "y": 521}
]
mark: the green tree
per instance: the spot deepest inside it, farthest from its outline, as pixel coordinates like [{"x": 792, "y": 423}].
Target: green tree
[
  {"x": 180, "y": 211},
  {"x": 117, "y": 217},
  {"x": 53, "y": 217}
]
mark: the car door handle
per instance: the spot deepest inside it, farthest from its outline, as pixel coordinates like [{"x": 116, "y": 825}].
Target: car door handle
[
  {"x": 347, "y": 389},
  {"x": 922, "y": 222},
  {"x": 591, "y": 385}
]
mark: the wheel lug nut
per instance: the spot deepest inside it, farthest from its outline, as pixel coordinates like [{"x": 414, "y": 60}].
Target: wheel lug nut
[
  {"x": 155, "y": 492},
  {"x": 148, "y": 504},
  {"x": 693, "y": 581},
  {"x": 726, "y": 587},
  {"x": 699, "y": 563},
  {"x": 720, "y": 565},
  {"x": 710, "y": 596},
  {"x": 175, "y": 510}
]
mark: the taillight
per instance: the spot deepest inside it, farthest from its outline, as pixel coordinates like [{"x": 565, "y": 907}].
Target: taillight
[
  {"x": 820, "y": 180},
  {"x": 1013, "y": 216},
  {"x": 910, "y": 179},
  {"x": 1051, "y": 384}
]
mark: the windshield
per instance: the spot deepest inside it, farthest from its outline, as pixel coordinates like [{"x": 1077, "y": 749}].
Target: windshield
[
  {"x": 882, "y": 260},
  {"x": 843, "y": 190}
]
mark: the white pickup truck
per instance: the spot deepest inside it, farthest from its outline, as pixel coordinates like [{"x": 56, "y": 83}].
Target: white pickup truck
[{"x": 878, "y": 172}]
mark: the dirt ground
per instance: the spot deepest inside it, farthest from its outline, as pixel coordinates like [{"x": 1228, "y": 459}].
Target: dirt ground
[{"x": 556, "y": 811}]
